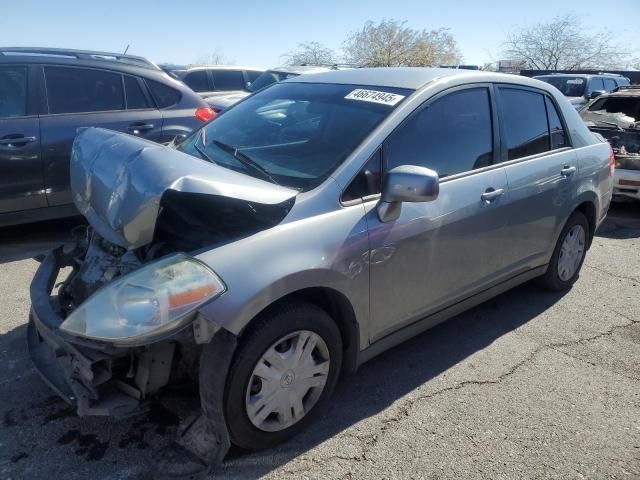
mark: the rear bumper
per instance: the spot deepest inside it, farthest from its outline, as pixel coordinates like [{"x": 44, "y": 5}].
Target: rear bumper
[
  {"x": 627, "y": 183},
  {"x": 81, "y": 375}
]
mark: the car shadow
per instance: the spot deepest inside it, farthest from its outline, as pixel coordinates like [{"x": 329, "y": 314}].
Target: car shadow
[
  {"x": 395, "y": 373},
  {"x": 20, "y": 242},
  {"x": 622, "y": 221},
  {"x": 377, "y": 385}
]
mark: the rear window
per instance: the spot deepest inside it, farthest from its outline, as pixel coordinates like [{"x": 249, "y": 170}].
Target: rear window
[
  {"x": 13, "y": 91},
  {"x": 569, "y": 86},
  {"x": 163, "y": 95},
  {"x": 136, "y": 99},
  {"x": 228, "y": 80},
  {"x": 75, "y": 90},
  {"x": 618, "y": 106},
  {"x": 525, "y": 122},
  {"x": 197, "y": 81}
]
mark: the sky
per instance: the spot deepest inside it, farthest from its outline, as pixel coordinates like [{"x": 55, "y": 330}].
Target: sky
[{"x": 257, "y": 33}]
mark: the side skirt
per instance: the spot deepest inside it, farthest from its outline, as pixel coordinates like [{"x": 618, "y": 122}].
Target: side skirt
[{"x": 434, "y": 319}]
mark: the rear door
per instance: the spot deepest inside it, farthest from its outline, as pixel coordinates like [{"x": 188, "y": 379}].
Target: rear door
[
  {"x": 21, "y": 179},
  {"x": 541, "y": 170},
  {"x": 86, "y": 97}
]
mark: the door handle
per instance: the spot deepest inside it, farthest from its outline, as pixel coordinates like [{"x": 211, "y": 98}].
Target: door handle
[
  {"x": 16, "y": 140},
  {"x": 567, "y": 171},
  {"x": 137, "y": 128},
  {"x": 491, "y": 194}
]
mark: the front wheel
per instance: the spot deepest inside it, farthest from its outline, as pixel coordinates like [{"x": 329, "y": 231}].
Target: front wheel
[
  {"x": 568, "y": 255},
  {"x": 283, "y": 373}
]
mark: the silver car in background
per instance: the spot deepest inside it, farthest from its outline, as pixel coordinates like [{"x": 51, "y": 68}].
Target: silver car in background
[{"x": 307, "y": 229}]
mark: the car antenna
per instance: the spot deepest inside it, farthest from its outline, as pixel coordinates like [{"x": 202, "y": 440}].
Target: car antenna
[{"x": 126, "y": 49}]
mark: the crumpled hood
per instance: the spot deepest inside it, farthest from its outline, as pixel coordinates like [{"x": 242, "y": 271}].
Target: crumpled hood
[{"x": 118, "y": 181}]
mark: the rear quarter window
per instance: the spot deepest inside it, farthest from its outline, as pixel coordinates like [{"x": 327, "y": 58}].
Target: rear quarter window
[{"x": 163, "y": 95}]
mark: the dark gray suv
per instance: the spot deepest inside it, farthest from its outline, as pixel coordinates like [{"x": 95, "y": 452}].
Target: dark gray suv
[{"x": 47, "y": 94}]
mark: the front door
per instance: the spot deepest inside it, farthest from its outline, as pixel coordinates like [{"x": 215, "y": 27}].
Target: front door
[
  {"x": 21, "y": 180},
  {"x": 436, "y": 253}
]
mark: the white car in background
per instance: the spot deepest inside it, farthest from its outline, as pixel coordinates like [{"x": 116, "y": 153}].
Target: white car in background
[{"x": 221, "y": 102}]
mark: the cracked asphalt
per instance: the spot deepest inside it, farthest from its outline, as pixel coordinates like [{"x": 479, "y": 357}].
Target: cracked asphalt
[{"x": 527, "y": 385}]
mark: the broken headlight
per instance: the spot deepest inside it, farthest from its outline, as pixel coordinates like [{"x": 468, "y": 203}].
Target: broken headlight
[{"x": 152, "y": 300}]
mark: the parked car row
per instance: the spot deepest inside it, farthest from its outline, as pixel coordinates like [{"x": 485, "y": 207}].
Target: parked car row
[{"x": 580, "y": 88}]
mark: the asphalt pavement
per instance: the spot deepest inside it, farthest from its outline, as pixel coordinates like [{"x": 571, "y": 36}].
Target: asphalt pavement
[{"x": 528, "y": 385}]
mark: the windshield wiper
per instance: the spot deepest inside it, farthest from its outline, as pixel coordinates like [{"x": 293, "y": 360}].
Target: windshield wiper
[
  {"x": 202, "y": 151},
  {"x": 245, "y": 160}
]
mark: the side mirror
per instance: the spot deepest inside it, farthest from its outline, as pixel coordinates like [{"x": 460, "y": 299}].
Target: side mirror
[
  {"x": 596, "y": 94},
  {"x": 406, "y": 183}
]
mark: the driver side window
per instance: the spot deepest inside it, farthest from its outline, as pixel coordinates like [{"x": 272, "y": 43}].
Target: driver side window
[{"x": 451, "y": 135}]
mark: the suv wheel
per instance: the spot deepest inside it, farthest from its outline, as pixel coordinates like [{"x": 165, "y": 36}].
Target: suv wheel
[
  {"x": 568, "y": 256},
  {"x": 283, "y": 372}
]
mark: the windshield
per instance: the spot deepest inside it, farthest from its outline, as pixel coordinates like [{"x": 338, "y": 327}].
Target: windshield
[
  {"x": 617, "y": 111},
  {"x": 569, "y": 86},
  {"x": 294, "y": 134},
  {"x": 269, "y": 77}
]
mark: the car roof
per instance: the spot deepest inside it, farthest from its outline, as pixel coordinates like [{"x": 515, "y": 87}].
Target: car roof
[
  {"x": 605, "y": 75},
  {"x": 300, "y": 69},
  {"x": 397, "y": 77},
  {"x": 190, "y": 68}
]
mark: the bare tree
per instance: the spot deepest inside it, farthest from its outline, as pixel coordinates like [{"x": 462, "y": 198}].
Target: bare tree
[
  {"x": 214, "y": 58},
  {"x": 311, "y": 52},
  {"x": 563, "y": 44},
  {"x": 392, "y": 44}
]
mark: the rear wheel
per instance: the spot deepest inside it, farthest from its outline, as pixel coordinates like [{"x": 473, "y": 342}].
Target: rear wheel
[
  {"x": 568, "y": 255},
  {"x": 283, "y": 373}
]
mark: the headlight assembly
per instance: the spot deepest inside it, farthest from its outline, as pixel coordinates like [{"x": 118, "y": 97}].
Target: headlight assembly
[{"x": 152, "y": 300}]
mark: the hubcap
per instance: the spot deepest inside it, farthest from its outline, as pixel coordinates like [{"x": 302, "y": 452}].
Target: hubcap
[
  {"x": 571, "y": 253},
  {"x": 287, "y": 381}
]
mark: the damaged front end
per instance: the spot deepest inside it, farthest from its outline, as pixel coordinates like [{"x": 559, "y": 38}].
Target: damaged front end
[{"x": 116, "y": 329}]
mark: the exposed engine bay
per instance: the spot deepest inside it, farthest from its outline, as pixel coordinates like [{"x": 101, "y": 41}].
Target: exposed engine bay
[{"x": 617, "y": 118}]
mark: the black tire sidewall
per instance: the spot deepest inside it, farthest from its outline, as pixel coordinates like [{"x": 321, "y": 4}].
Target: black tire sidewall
[
  {"x": 552, "y": 279},
  {"x": 254, "y": 343}
]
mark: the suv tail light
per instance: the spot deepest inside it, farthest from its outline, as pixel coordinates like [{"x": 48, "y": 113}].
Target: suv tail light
[
  {"x": 206, "y": 114},
  {"x": 612, "y": 163}
]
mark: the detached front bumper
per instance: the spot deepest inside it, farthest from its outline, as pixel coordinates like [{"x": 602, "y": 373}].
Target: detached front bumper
[{"x": 97, "y": 378}]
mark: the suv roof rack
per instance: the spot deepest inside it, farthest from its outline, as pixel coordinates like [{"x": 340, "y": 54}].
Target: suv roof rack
[
  {"x": 609, "y": 74},
  {"x": 80, "y": 54}
]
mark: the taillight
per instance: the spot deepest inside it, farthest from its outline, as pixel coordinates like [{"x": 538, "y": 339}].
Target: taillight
[
  {"x": 612, "y": 163},
  {"x": 205, "y": 114}
]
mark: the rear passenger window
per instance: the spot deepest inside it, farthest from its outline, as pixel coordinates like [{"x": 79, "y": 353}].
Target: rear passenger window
[
  {"x": 74, "y": 90},
  {"x": 556, "y": 130},
  {"x": 452, "y": 135},
  {"x": 163, "y": 95},
  {"x": 253, "y": 74},
  {"x": 197, "y": 81},
  {"x": 13, "y": 91},
  {"x": 228, "y": 80},
  {"x": 609, "y": 84},
  {"x": 525, "y": 122},
  {"x": 136, "y": 98},
  {"x": 596, "y": 84}
]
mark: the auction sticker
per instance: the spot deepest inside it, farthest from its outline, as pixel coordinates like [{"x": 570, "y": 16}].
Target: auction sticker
[{"x": 374, "y": 96}]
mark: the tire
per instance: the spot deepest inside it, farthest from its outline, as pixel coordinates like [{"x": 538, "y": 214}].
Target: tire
[
  {"x": 281, "y": 330},
  {"x": 553, "y": 279}
]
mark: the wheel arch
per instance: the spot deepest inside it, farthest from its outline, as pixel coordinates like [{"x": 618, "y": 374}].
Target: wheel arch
[
  {"x": 339, "y": 308},
  {"x": 588, "y": 209}
]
